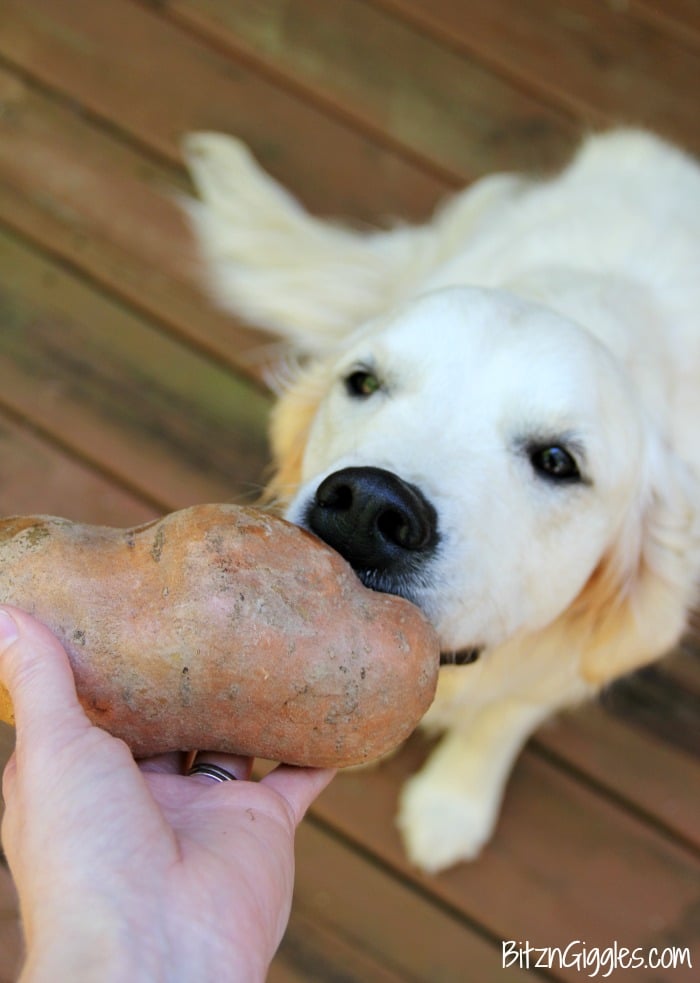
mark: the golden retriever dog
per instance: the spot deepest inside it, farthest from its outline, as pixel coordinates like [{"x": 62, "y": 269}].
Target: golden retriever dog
[{"x": 496, "y": 415}]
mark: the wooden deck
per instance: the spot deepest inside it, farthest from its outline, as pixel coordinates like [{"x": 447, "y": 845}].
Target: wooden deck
[{"x": 123, "y": 394}]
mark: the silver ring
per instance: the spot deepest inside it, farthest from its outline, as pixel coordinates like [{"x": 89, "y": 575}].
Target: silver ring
[{"x": 216, "y": 772}]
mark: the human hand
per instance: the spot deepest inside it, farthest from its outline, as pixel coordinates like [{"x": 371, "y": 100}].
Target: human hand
[{"x": 135, "y": 871}]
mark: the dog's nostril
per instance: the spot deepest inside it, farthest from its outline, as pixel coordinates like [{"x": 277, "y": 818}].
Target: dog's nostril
[
  {"x": 408, "y": 532},
  {"x": 334, "y": 495},
  {"x": 372, "y": 517},
  {"x": 393, "y": 526}
]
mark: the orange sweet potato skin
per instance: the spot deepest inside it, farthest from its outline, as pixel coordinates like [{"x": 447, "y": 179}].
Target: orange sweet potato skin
[{"x": 224, "y": 628}]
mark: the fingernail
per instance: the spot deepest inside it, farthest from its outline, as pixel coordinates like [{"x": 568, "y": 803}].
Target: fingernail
[{"x": 8, "y": 630}]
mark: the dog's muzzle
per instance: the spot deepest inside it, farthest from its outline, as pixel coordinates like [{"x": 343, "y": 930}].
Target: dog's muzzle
[
  {"x": 386, "y": 529},
  {"x": 382, "y": 525}
]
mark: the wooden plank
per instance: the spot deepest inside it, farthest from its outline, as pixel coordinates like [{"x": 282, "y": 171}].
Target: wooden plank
[
  {"x": 630, "y": 763},
  {"x": 38, "y": 479},
  {"x": 104, "y": 58},
  {"x": 680, "y": 18},
  {"x": 653, "y": 699},
  {"x": 595, "y": 60},
  {"x": 103, "y": 207},
  {"x": 565, "y": 863},
  {"x": 392, "y": 923},
  {"x": 440, "y": 104},
  {"x": 168, "y": 423},
  {"x": 309, "y": 953},
  {"x": 683, "y": 665},
  {"x": 10, "y": 934}
]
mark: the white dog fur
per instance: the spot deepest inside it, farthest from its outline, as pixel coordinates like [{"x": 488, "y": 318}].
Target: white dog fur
[{"x": 563, "y": 313}]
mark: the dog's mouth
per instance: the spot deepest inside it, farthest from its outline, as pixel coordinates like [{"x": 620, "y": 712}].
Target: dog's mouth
[
  {"x": 406, "y": 584},
  {"x": 386, "y": 584},
  {"x": 463, "y": 657}
]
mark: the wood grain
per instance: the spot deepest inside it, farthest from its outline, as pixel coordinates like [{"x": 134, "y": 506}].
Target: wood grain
[
  {"x": 565, "y": 863},
  {"x": 97, "y": 205},
  {"x": 107, "y": 64},
  {"x": 596, "y": 61},
  {"x": 168, "y": 423},
  {"x": 439, "y": 105}
]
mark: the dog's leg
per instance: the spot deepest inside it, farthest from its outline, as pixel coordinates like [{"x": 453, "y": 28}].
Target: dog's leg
[
  {"x": 449, "y": 809},
  {"x": 308, "y": 279}
]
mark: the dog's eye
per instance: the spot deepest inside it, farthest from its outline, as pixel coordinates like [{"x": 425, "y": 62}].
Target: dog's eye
[
  {"x": 362, "y": 383},
  {"x": 555, "y": 462}
]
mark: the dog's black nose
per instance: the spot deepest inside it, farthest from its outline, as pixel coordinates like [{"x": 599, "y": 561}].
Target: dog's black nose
[{"x": 373, "y": 518}]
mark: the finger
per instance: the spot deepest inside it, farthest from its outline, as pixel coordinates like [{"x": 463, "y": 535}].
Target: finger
[
  {"x": 171, "y": 763},
  {"x": 35, "y": 670},
  {"x": 298, "y": 786},
  {"x": 235, "y": 765}
]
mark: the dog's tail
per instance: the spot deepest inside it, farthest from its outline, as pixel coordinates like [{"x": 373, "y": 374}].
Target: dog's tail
[{"x": 306, "y": 279}]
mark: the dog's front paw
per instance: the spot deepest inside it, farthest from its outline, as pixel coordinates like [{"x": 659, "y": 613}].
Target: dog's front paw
[{"x": 441, "y": 825}]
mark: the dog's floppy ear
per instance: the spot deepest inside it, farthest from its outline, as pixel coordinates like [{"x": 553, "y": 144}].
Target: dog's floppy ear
[
  {"x": 635, "y": 606},
  {"x": 265, "y": 257}
]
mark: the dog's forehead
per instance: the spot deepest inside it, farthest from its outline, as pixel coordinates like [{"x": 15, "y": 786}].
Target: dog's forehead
[
  {"x": 485, "y": 358},
  {"x": 476, "y": 334}
]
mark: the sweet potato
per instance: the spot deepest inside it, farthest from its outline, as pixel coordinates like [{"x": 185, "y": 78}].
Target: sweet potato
[{"x": 223, "y": 628}]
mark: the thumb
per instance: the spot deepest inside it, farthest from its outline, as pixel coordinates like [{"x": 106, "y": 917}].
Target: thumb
[{"x": 36, "y": 674}]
